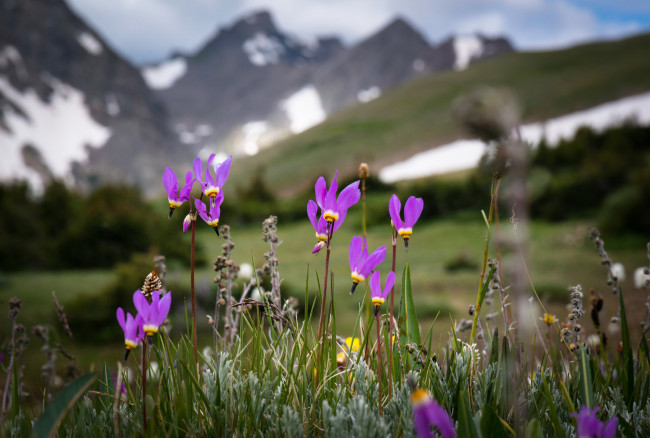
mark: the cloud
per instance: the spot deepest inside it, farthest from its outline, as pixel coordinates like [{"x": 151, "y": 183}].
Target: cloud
[{"x": 146, "y": 30}]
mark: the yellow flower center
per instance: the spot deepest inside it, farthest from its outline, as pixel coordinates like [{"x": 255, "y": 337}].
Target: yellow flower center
[
  {"x": 150, "y": 330},
  {"x": 321, "y": 237},
  {"x": 377, "y": 301},
  {"x": 213, "y": 223},
  {"x": 420, "y": 396},
  {"x": 212, "y": 191},
  {"x": 405, "y": 232},
  {"x": 130, "y": 345},
  {"x": 357, "y": 278},
  {"x": 174, "y": 204},
  {"x": 330, "y": 216}
]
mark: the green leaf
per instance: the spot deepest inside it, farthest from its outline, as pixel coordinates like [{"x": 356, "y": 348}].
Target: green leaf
[
  {"x": 48, "y": 422},
  {"x": 491, "y": 424},
  {"x": 408, "y": 321},
  {"x": 494, "y": 347},
  {"x": 466, "y": 424},
  {"x": 533, "y": 429},
  {"x": 586, "y": 382}
]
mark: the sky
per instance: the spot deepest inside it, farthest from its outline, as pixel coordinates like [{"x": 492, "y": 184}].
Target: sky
[{"x": 147, "y": 31}]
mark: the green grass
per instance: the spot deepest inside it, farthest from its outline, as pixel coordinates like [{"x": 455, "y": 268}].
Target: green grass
[
  {"x": 559, "y": 256},
  {"x": 417, "y": 116}
]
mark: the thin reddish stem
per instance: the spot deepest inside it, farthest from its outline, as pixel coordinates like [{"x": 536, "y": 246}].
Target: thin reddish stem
[
  {"x": 379, "y": 361},
  {"x": 196, "y": 356},
  {"x": 330, "y": 227},
  {"x": 145, "y": 341},
  {"x": 390, "y": 321}
]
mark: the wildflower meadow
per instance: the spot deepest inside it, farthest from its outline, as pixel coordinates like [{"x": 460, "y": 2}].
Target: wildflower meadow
[{"x": 272, "y": 368}]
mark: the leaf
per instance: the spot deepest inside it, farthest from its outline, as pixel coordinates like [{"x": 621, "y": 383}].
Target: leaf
[
  {"x": 491, "y": 424},
  {"x": 408, "y": 321},
  {"x": 48, "y": 422},
  {"x": 494, "y": 347},
  {"x": 466, "y": 424},
  {"x": 586, "y": 383},
  {"x": 533, "y": 429}
]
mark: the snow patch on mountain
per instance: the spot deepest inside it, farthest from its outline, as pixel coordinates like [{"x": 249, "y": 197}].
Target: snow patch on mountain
[
  {"x": 61, "y": 130},
  {"x": 90, "y": 43},
  {"x": 466, "y": 154},
  {"x": 262, "y": 49},
  {"x": 304, "y": 109},
  {"x": 112, "y": 106},
  {"x": 9, "y": 55},
  {"x": 369, "y": 94},
  {"x": 164, "y": 75},
  {"x": 252, "y": 133},
  {"x": 466, "y": 48}
]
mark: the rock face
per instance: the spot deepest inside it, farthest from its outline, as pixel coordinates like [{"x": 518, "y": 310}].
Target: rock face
[
  {"x": 252, "y": 84},
  {"x": 241, "y": 76},
  {"x": 69, "y": 105},
  {"x": 71, "y": 108}
]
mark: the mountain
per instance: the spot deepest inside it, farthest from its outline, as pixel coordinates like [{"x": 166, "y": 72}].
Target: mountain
[
  {"x": 70, "y": 107},
  {"x": 253, "y": 84},
  {"x": 73, "y": 109},
  {"x": 242, "y": 75},
  {"x": 417, "y": 116}
]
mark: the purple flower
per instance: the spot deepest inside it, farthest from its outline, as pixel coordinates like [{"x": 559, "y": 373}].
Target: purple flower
[
  {"x": 427, "y": 413},
  {"x": 153, "y": 314},
  {"x": 377, "y": 295},
  {"x": 362, "y": 264},
  {"x": 334, "y": 208},
  {"x": 186, "y": 223},
  {"x": 171, "y": 186},
  {"x": 412, "y": 210},
  {"x": 321, "y": 225},
  {"x": 212, "y": 217},
  {"x": 212, "y": 186},
  {"x": 132, "y": 328},
  {"x": 589, "y": 426}
]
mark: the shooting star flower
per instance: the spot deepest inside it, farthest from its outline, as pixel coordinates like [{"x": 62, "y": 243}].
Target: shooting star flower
[
  {"x": 152, "y": 314},
  {"x": 362, "y": 264},
  {"x": 377, "y": 295},
  {"x": 175, "y": 198},
  {"x": 427, "y": 413},
  {"x": 412, "y": 210},
  {"x": 334, "y": 208},
  {"x": 212, "y": 217},
  {"x": 132, "y": 327}
]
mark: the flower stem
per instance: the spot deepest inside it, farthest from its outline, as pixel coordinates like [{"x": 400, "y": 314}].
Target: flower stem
[
  {"x": 145, "y": 341},
  {"x": 196, "y": 356},
  {"x": 330, "y": 227},
  {"x": 379, "y": 360},
  {"x": 390, "y": 321}
]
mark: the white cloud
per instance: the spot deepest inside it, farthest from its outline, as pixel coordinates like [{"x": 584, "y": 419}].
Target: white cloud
[{"x": 147, "y": 30}]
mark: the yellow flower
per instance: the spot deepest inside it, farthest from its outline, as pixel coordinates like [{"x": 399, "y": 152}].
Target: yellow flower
[
  {"x": 549, "y": 319},
  {"x": 352, "y": 344}
]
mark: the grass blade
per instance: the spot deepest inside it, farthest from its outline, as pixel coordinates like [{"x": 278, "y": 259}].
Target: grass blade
[{"x": 48, "y": 422}]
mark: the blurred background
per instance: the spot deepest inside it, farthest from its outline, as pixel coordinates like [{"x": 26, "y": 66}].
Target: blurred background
[{"x": 97, "y": 98}]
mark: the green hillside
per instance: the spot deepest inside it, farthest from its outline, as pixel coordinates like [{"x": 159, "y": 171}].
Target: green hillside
[{"x": 417, "y": 116}]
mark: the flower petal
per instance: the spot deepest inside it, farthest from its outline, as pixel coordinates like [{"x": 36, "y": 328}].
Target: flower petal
[
  {"x": 170, "y": 182},
  {"x": 120, "y": 318},
  {"x": 222, "y": 172},
  {"x": 441, "y": 419},
  {"x": 198, "y": 168},
  {"x": 312, "y": 212},
  {"x": 163, "y": 308},
  {"x": 348, "y": 196},
  {"x": 373, "y": 260},
  {"x": 394, "y": 209},
  {"x": 339, "y": 221},
  {"x": 356, "y": 245},
  {"x": 390, "y": 281},
  {"x": 412, "y": 210},
  {"x": 375, "y": 285},
  {"x": 320, "y": 188},
  {"x": 141, "y": 304}
]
